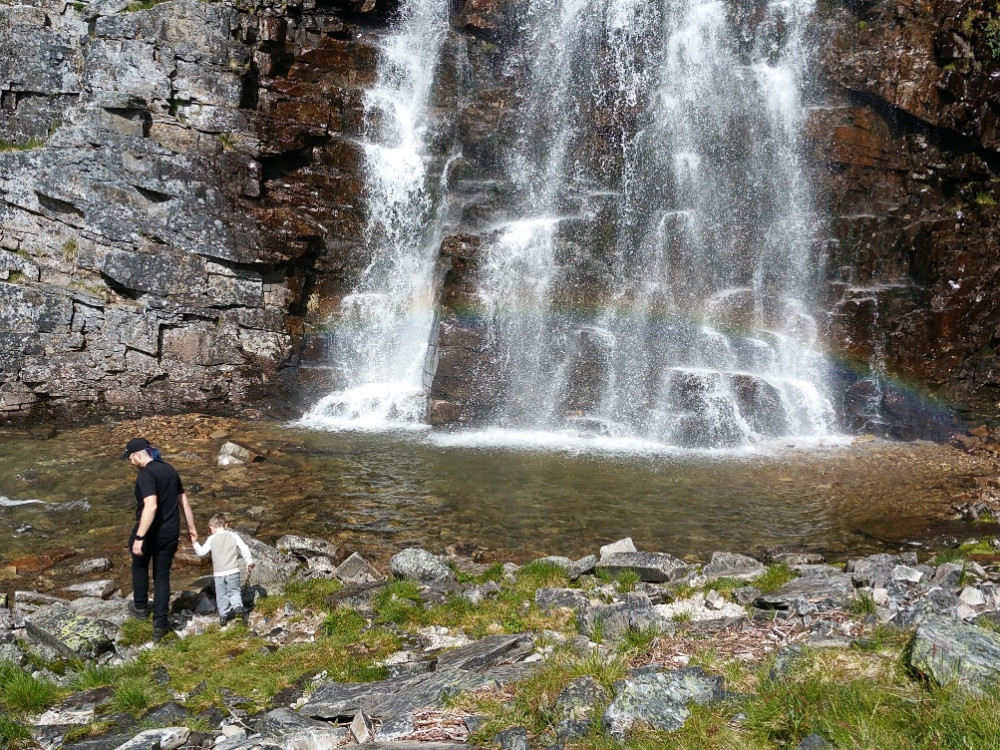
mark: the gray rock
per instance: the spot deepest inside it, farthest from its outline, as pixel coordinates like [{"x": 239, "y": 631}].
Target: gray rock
[
  {"x": 652, "y": 567},
  {"x": 420, "y": 565},
  {"x": 272, "y": 569},
  {"x": 906, "y": 573},
  {"x": 731, "y": 565},
  {"x": 356, "y": 570},
  {"x": 548, "y": 599},
  {"x": 936, "y": 602},
  {"x": 396, "y": 728},
  {"x": 659, "y": 699},
  {"x": 97, "y": 589},
  {"x": 307, "y": 547},
  {"x": 93, "y": 565},
  {"x": 574, "y": 568},
  {"x": 579, "y": 698},
  {"x": 948, "y": 575},
  {"x": 515, "y": 738},
  {"x": 282, "y": 721},
  {"x": 487, "y": 652},
  {"x": 874, "y": 570},
  {"x": 114, "y": 611},
  {"x": 72, "y": 635},
  {"x": 784, "y": 661},
  {"x": 232, "y": 452},
  {"x": 169, "y": 738},
  {"x": 951, "y": 651},
  {"x": 814, "y": 742},
  {"x": 821, "y": 592}
]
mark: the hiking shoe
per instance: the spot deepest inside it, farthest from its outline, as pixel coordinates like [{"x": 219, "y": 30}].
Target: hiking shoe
[
  {"x": 223, "y": 620},
  {"x": 136, "y": 612},
  {"x": 159, "y": 633}
]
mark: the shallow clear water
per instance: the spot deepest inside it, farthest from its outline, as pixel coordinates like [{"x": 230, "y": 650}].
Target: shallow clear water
[{"x": 378, "y": 493}]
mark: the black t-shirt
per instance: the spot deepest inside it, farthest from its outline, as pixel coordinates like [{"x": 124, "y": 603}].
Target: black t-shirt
[{"x": 160, "y": 479}]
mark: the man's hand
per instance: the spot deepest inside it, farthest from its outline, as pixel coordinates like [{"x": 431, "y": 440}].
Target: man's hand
[
  {"x": 193, "y": 535},
  {"x": 137, "y": 548}
]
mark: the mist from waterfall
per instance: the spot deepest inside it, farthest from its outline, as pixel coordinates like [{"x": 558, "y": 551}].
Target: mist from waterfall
[
  {"x": 659, "y": 158},
  {"x": 381, "y": 331}
]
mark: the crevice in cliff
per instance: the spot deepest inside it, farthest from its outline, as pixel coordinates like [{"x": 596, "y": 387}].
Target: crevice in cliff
[
  {"x": 120, "y": 289},
  {"x": 57, "y": 206},
  {"x": 903, "y": 123},
  {"x": 276, "y": 166}
]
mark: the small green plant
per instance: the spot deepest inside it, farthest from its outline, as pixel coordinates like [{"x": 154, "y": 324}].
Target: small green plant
[
  {"x": 992, "y": 35},
  {"x": 627, "y": 580},
  {"x": 776, "y": 576},
  {"x": 863, "y": 605},
  {"x": 226, "y": 139},
  {"x": 344, "y": 624},
  {"x": 862, "y": 25},
  {"x": 681, "y": 618},
  {"x": 14, "y": 732},
  {"x": 20, "y": 692},
  {"x": 983, "y": 198},
  {"x": 69, "y": 250},
  {"x": 133, "y": 696},
  {"x": 399, "y": 602},
  {"x": 27, "y": 145}
]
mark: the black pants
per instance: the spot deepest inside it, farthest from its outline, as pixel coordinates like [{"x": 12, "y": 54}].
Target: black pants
[{"x": 160, "y": 553}]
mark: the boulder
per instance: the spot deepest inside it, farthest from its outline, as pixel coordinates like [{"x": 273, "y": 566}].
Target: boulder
[
  {"x": 487, "y": 652},
  {"x": 659, "y": 699},
  {"x": 97, "y": 589},
  {"x": 72, "y": 635},
  {"x": 822, "y": 592},
  {"x": 652, "y": 567},
  {"x": 579, "y": 699},
  {"x": 420, "y": 565},
  {"x": 233, "y": 453},
  {"x": 355, "y": 570},
  {"x": 307, "y": 547},
  {"x": 732, "y": 565},
  {"x": 951, "y": 651}
]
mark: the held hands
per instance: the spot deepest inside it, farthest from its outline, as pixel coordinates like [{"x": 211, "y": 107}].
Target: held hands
[{"x": 193, "y": 535}]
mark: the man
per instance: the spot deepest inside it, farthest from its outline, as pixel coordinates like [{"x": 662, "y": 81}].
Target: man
[{"x": 160, "y": 498}]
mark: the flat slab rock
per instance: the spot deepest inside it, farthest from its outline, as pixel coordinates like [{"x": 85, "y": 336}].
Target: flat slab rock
[
  {"x": 73, "y": 635},
  {"x": 950, "y": 650},
  {"x": 652, "y": 567},
  {"x": 660, "y": 699},
  {"x": 826, "y": 592}
]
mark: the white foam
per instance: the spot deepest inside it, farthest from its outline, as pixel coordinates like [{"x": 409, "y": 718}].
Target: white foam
[{"x": 6, "y": 502}]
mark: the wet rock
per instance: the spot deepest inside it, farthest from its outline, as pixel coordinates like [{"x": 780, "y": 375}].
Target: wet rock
[
  {"x": 652, "y": 567},
  {"x": 659, "y": 699},
  {"x": 236, "y": 453},
  {"x": 73, "y": 635},
  {"x": 355, "y": 570},
  {"x": 950, "y": 651},
  {"x": 93, "y": 565},
  {"x": 731, "y": 565},
  {"x": 420, "y": 565}
]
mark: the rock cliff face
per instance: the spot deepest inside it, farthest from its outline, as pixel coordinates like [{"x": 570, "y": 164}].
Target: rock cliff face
[{"x": 182, "y": 200}]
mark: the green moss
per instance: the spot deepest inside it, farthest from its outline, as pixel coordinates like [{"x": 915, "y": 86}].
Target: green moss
[
  {"x": 983, "y": 198},
  {"x": 27, "y": 145}
]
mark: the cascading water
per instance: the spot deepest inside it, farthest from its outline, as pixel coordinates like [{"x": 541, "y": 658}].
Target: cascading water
[
  {"x": 382, "y": 327},
  {"x": 659, "y": 281}
]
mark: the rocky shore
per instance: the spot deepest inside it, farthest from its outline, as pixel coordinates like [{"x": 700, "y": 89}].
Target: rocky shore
[{"x": 662, "y": 612}]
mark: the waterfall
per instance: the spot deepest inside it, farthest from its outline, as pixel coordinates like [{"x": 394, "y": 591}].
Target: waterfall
[
  {"x": 659, "y": 282},
  {"x": 382, "y": 327},
  {"x": 659, "y": 160}
]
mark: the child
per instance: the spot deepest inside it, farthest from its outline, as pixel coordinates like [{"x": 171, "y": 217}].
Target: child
[{"x": 223, "y": 545}]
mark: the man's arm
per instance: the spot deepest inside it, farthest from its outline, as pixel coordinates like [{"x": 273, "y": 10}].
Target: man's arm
[
  {"x": 145, "y": 521},
  {"x": 189, "y": 517}
]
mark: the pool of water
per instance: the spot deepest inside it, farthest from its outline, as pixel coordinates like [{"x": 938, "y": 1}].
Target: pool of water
[{"x": 378, "y": 493}]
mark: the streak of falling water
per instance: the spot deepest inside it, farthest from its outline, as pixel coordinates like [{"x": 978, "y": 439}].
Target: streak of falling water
[{"x": 382, "y": 328}]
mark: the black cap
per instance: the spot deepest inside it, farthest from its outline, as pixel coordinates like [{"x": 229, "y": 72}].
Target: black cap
[{"x": 134, "y": 445}]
